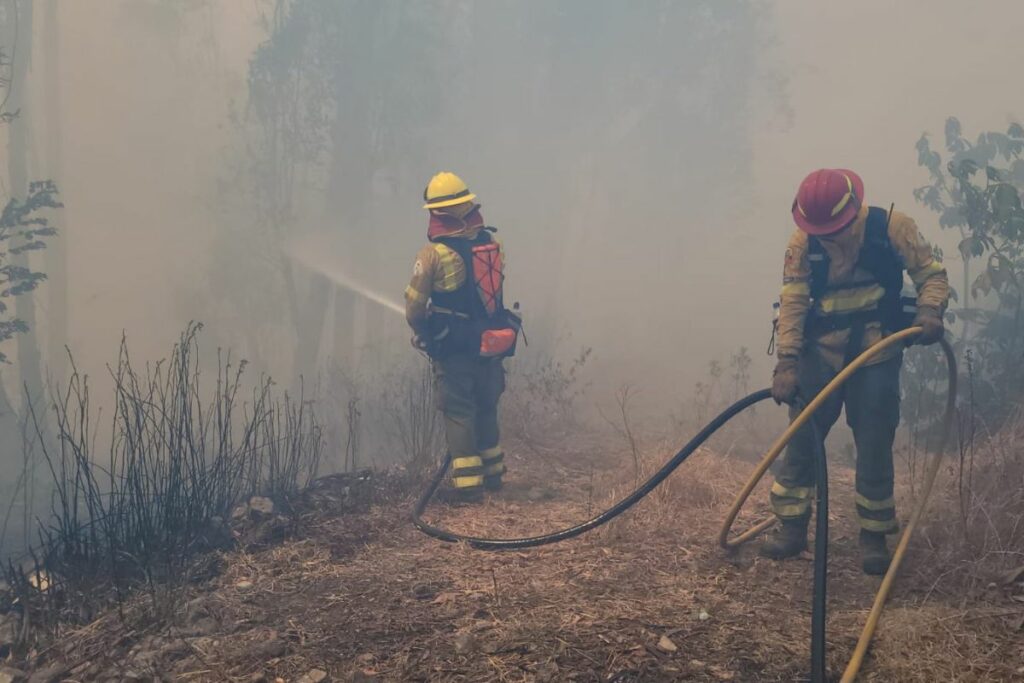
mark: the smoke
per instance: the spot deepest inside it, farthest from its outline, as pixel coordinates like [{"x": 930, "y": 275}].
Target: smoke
[
  {"x": 638, "y": 159},
  {"x": 316, "y": 260}
]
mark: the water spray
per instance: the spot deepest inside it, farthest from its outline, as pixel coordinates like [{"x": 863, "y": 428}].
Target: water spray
[{"x": 317, "y": 261}]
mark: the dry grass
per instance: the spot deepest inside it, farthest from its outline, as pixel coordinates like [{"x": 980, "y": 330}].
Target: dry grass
[{"x": 362, "y": 594}]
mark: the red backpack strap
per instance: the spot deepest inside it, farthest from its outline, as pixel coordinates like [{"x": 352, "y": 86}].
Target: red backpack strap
[{"x": 488, "y": 275}]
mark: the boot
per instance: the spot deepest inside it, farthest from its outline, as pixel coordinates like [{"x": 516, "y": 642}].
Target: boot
[
  {"x": 874, "y": 553},
  {"x": 492, "y": 482},
  {"x": 788, "y": 540}
]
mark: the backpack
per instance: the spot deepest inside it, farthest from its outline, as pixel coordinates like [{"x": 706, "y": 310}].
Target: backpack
[{"x": 473, "y": 319}]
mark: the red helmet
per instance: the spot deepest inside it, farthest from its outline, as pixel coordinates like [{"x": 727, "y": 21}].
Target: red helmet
[{"x": 827, "y": 201}]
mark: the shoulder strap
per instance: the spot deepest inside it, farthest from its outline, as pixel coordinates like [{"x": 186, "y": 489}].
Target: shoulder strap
[
  {"x": 876, "y": 229},
  {"x": 819, "y": 262},
  {"x": 877, "y": 255},
  {"x": 880, "y": 258}
]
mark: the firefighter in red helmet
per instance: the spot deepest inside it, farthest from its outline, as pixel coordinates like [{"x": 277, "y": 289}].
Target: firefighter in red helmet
[
  {"x": 842, "y": 279},
  {"x": 454, "y": 305}
]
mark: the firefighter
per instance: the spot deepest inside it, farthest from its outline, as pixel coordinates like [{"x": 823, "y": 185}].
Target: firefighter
[
  {"x": 454, "y": 305},
  {"x": 842, "y": 280}
]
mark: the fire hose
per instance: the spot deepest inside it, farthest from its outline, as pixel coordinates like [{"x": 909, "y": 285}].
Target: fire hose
[{"x": 725, "y": 540}]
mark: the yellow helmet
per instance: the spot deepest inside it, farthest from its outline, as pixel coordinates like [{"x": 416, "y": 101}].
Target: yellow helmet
[{"x": 446, "y": 189}]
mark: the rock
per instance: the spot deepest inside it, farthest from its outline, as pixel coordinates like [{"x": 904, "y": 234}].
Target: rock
[
  {"x": 703, "y": 615},
  {"x": 465, "y": 643},
  {"x": 9, "y": 675},
  {"x": 244, "y": 585},
  {"x": 270, "y": 647},
  {"x": 313, "y": 676},
  {"x": 260, "y": 507},
  {"x": 51, "y": 674},
  {"x": 666, "y": 645}
]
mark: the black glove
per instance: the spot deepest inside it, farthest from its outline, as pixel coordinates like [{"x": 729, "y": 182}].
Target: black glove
[
  {"x": 932, "y": 328},
  {"x": 785, "y": 382}
]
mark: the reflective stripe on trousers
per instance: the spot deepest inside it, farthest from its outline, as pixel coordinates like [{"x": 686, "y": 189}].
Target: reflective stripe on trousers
[
  {"x": 872, "y": 399},
  {"x": 468, "y": 390}
]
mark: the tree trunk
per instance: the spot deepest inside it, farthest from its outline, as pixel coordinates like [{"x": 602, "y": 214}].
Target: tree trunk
[
  {"x": 19, "y": 135},
  {"x": 55, "y": 255}
]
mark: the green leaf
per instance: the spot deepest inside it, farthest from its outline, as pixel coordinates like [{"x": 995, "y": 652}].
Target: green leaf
[
  {"x": 954, "y": 140},
  {"x": 962, "y": 169},
  {"x": 970, "y": 247},
  {"x": 1005, "y": 201}
]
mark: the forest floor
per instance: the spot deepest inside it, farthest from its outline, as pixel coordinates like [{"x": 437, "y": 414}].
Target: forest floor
[{"x": 355, "y": 593}]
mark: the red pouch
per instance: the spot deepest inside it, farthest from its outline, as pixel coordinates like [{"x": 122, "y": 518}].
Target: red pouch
[{"x": 496, "y": 342}]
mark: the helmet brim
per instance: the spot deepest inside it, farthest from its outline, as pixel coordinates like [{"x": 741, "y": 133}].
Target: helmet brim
[
  {"x": 450, "y": 202},
  {"x": 841, "y": 219}
]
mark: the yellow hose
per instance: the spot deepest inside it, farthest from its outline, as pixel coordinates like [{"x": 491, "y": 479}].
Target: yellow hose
[{"x": 883, "y": 592}]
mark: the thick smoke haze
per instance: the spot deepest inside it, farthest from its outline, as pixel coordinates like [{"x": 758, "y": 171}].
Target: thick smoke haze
[{"x": 639, "y": 160}]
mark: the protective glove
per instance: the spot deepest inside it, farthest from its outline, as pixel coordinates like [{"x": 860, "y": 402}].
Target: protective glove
[
  {"x": 932, "y": 328},
  {"x": 784, "y": 380}
]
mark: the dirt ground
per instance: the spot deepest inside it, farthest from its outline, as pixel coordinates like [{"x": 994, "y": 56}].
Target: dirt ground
[{"x": 360, "y": 595}]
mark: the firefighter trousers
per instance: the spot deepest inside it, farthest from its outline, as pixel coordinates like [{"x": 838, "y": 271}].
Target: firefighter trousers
[
  {"x": 872, "y": 401},
  {"x": 468, "y": 390}
]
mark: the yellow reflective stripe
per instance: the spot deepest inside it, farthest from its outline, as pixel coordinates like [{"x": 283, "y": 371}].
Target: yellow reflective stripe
[
  {"x": 796, "y": 289},
  {"x": 792, "y": 491},
  {"x": 467, "y": 462},
  {"x": 416, "y": 295},
  {"x": 491, "y": 453},
  {"x": 925, "y": 272},
  {"x": 855, "y": 300},
  {"x": 468, "y": 482},
  {"x": 846, "y": 197},
  {"x": 791, "y": 509},
  {"x": 880, "y": 527},
  {"x": 495, "y": 469},
  {"x": 868, "y": 504},
  {"x": 452, "y": 273}
]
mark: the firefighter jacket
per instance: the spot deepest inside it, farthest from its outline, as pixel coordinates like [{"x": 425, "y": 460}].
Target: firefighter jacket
[
  {"x": 851, "y": 289},
  {"x": 438, "y": 267}
]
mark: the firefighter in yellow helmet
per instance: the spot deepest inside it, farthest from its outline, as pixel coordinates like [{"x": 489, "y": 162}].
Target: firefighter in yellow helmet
[
  {"x": 455, "y": 306},
  {"x": 841, "y": 293}
]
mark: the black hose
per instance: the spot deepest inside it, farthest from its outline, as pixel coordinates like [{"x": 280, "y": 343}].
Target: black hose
[
  {"x": 819, "y": 604},
  {"x": 594, "y": 522}
]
